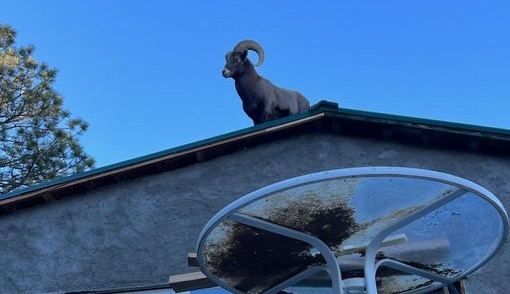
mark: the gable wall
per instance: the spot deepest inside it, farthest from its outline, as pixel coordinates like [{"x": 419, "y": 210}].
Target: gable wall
[{"x": 139, "y": 232}]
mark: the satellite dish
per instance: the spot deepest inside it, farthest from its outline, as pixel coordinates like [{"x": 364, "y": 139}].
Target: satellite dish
[{"x": 359, "y": 230}]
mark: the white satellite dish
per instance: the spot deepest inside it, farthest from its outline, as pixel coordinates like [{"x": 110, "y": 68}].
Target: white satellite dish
[{"x": 360, "y": 230}]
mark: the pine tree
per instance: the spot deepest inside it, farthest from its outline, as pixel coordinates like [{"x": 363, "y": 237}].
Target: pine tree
[{"x": 38, "y": 138}]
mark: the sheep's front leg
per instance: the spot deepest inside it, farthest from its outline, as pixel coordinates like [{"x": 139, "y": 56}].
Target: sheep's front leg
[{"x": 266, "y": 116}]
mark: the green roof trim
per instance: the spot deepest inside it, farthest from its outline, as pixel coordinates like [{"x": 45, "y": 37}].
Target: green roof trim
[
  {"x": 330, "y": 109},
  {"x": 125, "y": 163},
  {"x": 482, "y": 131}
]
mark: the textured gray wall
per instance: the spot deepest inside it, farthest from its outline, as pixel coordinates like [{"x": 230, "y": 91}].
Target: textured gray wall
[{"x": 140, "y": 232}]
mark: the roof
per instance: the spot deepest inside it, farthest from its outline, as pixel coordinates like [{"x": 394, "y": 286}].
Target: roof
[{"x": 323, "y": 117}]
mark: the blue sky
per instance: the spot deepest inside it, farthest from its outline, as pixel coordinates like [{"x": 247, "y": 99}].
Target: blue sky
[{"x": 146, "y": 75}]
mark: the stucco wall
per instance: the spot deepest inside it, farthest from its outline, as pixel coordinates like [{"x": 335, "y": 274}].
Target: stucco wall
[{"x": 140, "y": 232}]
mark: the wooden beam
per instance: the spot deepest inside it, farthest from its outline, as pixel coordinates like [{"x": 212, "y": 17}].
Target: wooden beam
[
  {"x": 192, "y": 259},
  {"x": 197, "y": 280},
  {"x": 190, "y": 281}
]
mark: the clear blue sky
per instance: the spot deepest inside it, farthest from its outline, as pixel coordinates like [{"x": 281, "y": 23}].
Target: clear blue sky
[{"x": 146, "y": 75}]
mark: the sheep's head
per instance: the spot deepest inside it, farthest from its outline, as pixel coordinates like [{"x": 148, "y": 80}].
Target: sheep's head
[{"x": 236, "y": 59}]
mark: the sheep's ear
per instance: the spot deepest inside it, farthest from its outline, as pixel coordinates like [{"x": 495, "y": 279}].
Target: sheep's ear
[{"x": 244, "y": 55}]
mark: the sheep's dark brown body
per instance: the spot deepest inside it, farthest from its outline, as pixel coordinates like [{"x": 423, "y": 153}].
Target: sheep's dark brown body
[{"x": 262, "y": 100}]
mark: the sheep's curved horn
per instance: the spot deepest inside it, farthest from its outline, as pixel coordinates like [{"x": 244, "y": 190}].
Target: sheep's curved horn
[{"x": 251, "y": 45}]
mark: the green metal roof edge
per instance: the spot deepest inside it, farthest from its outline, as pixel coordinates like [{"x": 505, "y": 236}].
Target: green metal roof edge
[
  {"x": 155, "y": 155},
  {"x": 470, "y": 129},
  {"x": 329, "y": 108}
]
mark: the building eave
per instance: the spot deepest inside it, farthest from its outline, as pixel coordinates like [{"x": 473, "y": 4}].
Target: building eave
[{"x": 323, "y": 117}]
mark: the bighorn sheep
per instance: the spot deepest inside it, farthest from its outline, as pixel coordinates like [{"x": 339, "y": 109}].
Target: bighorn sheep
[{"x": 262, "y": 100}]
